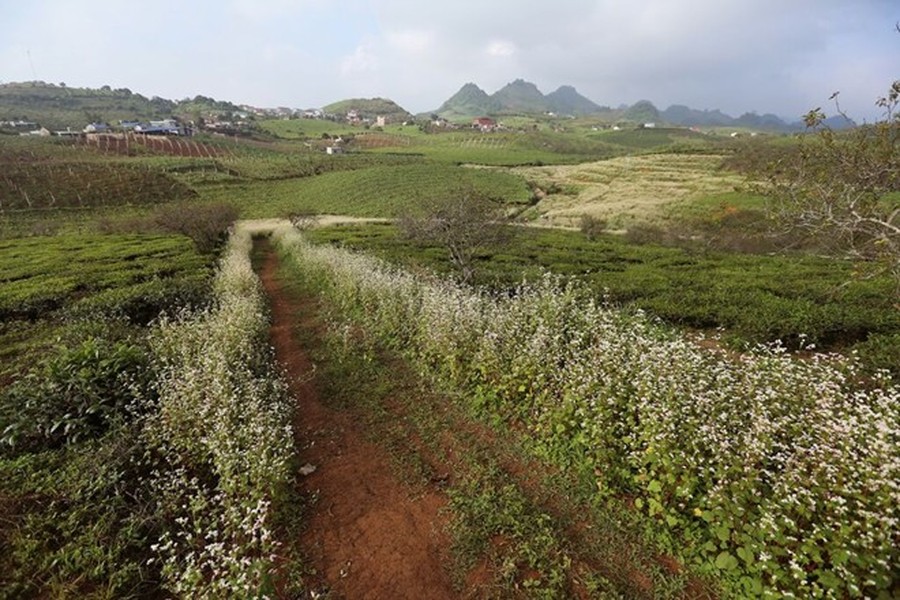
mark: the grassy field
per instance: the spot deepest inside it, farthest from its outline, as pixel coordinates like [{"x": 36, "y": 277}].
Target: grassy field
[{"x": 302, "y": 129}]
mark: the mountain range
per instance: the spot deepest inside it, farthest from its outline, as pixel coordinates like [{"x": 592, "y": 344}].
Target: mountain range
[
  {"x": 523, "y": 97},
  {"x": 517, "y": 97}
]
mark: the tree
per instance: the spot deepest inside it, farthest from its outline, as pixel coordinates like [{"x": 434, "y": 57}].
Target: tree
[
  {"x": 842, "y": 189},
  {"x": 465, "y": 222},
  {"x": 303, "y": 219}
]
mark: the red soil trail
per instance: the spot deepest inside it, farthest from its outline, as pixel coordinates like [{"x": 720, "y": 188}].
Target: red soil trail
[{"x": 367, "y": 535}]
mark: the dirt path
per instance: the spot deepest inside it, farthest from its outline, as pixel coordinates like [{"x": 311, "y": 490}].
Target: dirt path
[{"x": 366, "y": 535}]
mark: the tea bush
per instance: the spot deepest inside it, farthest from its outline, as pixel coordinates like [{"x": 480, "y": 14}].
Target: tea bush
[{"x": 78, "y": 393}]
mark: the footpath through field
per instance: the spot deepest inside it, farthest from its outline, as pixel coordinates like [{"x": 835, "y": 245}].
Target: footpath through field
[
  {"x": 365, "y": 535},
  {"x": 413, "y": 498}
]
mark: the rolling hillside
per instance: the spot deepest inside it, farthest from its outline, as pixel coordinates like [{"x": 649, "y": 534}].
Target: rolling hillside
[
  {"x": 57, "y": 106},
  {"x": 370, "y": 108}
]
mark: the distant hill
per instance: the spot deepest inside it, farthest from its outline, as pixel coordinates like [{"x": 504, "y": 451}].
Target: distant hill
[
  {"x": 370, "y": 108},
  {"x": 59, "y": 106},
  {"x": 469, "y": 101},
  {"x": 642, "y": 111},
  {"x": 567, "y": 101},
  {"x": 521, "y": 97},
  {"x": 678, "y": 114}
]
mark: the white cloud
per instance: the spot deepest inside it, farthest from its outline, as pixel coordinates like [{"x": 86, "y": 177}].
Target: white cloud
[
  {"x": 410, "y": 40},
  {"x": 362, "y": 60},
  {"x": 501, "y": 48},
  {"x": 268, "y": 9}
]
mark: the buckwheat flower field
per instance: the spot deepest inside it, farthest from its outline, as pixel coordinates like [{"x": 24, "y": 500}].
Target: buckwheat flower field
[
  {"x": 780, "y": 475},
  {"x": 223, "y": 434}
]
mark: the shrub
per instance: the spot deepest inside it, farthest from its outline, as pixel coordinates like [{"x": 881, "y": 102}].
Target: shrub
[
  {"x": 591, "y": 226},
  {"x": 206, "y": 224},
  {"x": 881, "y": 351}
]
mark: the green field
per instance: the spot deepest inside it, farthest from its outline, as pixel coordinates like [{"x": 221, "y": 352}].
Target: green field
[
  {"x": 382, "y": 191},
  {"x": 50, "y": 282}
]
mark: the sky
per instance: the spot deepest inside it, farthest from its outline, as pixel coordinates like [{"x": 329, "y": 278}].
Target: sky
[{"x": 767, "y": 56}]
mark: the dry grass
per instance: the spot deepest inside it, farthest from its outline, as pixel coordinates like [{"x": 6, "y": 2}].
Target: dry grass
[{"x": 627, "y": 189}]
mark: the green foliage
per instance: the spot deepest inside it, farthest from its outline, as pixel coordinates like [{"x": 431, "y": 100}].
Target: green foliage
[
  {"x": 78, "y": 521},
  {"x": 44, "y": 274},
  {"x": 488, "y": 506},
  {"x": 129, "y": 468},
  {"x": 511, "y": 148},
  {"x": 837, "y": 188},
  {"x": 591, "y": 226},
  {"x": 247, "y": 162},
  {"x": 86, "y": 184},
  {"x": 881, "y": 351}
]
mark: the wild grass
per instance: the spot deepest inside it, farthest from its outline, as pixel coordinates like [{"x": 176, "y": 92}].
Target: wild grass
[
  {"x": 512, "y": 519},
  {"x": 223, "y": 440}
]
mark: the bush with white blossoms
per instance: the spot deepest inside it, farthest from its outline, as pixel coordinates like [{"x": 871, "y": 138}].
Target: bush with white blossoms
[
  {"x": 221, "y": 431},
  {"x": 780, "y": 475}
]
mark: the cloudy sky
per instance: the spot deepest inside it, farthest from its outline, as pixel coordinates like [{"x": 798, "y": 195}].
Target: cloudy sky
[{"x": 779, "y": 56}]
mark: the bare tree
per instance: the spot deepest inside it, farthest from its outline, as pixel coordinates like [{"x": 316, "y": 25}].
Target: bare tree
[
  {"x": 465, "y": 223},
  {"x": 841, "y": 187},
  {"x": 302, "y": 220}
]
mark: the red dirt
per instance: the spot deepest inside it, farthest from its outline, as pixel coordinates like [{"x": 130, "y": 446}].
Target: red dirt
[{"x": 366, "y": 536}]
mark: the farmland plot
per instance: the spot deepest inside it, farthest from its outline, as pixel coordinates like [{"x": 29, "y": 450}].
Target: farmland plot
[{"x": 627, "y": 189}]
